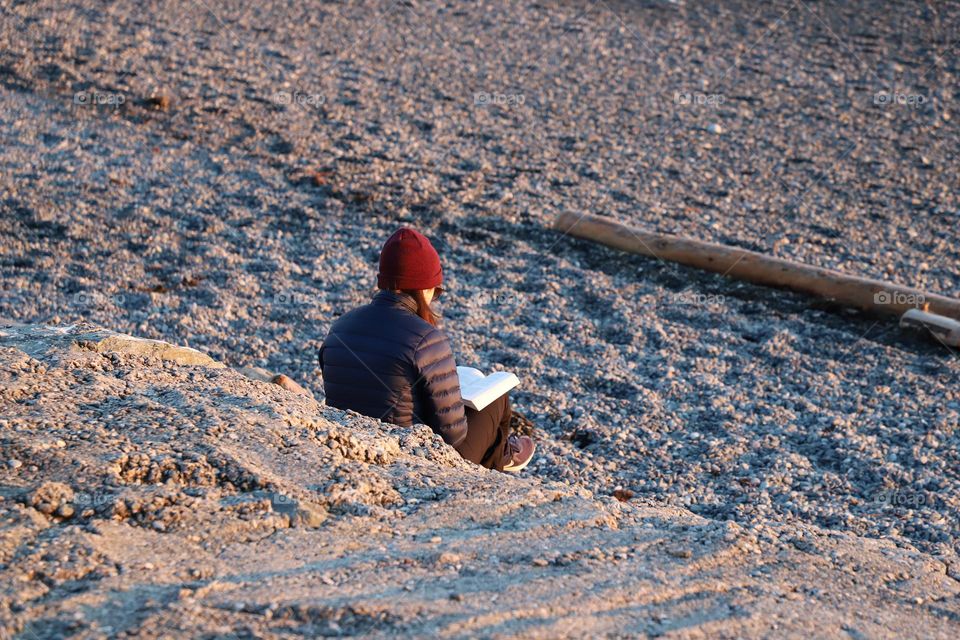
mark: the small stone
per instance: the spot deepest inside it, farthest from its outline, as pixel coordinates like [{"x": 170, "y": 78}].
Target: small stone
[
  {"x": 309, "y": 516},
  {"x": 714, "y": 128},
  {"x": 257, "y": 373},
  {"x": 161, "y": 102},
  {"x": 321, "y": 177},
  {"x": 14, "y": 463},
  {"x": 290, "y": 385},
  {"x": 679, "y": 552},
  {"x": 541, "y": 562}
]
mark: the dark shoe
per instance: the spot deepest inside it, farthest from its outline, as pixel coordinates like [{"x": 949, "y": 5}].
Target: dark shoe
[{"x": 519, "y": 453}]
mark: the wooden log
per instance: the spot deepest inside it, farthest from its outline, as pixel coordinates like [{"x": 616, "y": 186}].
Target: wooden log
[
  {"x": 943, "y": 329},
  {"x": 750, "y": 266}
]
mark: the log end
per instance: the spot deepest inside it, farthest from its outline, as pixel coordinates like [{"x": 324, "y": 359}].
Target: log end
[{"x": 566, "y": 221}]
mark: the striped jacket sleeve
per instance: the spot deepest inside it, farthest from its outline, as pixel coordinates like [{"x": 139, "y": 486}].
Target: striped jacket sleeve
[{"x": 439, "y": 387}]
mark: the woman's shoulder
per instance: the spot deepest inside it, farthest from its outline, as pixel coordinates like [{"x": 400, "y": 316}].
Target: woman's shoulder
[
  {"x": 388, "y": 322},
  {"x": 432, "y": 337}
]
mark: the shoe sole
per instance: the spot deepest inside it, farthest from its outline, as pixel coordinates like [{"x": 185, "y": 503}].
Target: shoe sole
[{"x": 521, "y": 467}]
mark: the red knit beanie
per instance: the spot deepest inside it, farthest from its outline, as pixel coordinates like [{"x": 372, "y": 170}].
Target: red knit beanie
[{"x": 409, "y": 261}]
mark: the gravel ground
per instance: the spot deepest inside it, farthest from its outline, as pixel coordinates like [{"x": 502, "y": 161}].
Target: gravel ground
[{"x": 222, "y": 174}]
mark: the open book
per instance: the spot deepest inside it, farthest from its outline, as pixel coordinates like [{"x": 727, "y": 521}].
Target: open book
[{"x": 478, "y": 390}]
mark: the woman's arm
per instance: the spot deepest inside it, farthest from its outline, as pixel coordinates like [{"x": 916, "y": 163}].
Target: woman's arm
[{"x": 439, "y": 387}]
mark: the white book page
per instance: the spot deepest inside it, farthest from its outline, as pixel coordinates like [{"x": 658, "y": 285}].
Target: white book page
[{"x": 478, "y": 390}]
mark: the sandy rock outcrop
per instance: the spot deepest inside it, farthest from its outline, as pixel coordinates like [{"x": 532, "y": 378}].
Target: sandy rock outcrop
[{"x": 157, "y": 498}]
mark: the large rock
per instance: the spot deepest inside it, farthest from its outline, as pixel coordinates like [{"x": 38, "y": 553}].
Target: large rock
[{"x": 41, "y": 341}]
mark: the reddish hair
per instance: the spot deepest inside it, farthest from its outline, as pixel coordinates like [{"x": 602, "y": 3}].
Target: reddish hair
[{"x": 423, "y": 307}]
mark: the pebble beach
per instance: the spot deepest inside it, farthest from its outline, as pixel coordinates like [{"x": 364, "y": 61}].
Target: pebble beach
[{"x": 222, "y": 175}]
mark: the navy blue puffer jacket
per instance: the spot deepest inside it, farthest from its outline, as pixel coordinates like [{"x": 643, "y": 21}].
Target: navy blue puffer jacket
[{"x": 386, "y": 362}]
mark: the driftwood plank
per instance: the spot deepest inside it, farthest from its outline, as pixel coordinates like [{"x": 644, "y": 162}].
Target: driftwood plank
[{"x": 750, "y": 266}]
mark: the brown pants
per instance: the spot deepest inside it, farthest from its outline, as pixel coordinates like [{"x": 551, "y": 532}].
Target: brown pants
[{"x": 487, "y": 432}]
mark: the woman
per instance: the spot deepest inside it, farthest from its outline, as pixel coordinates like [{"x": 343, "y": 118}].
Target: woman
[{"x": 389, "y": 360}]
